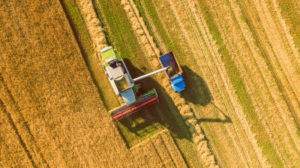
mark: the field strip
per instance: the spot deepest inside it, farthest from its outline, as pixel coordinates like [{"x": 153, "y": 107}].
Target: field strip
[
  {"x": 212, "y": 69},
  {"x": 287, "y": 33},
  {"x": 266, "y": 93},
  {"x": 291, "y": 94},
  {"x": 172, "y": 149},
  {"x": 13, "y": 149},
  {"x": 152, "y": 52},
  {"x": 162, "y": 151},
  {"x": 229, "y": 88},
  {"x": 154, "y": 152},
  {"x": 205, "y": 33},
  {"x": 277, "y": 43},
  {"x": 241, "y": 67},
  {"x": 290, "y": 124},
  {"x": 267, "y": 76},
  {"x": 166, "y": 150},
  {"x": 270, "y": 82},
  {"x": 253, "y": 73},
  {"x": 287, "y": 92},
  {"x": 21, "y": 128}
]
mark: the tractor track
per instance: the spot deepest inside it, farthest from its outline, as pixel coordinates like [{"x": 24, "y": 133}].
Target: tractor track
[
  {"x": 20, "y": 126},
  {"x": 160, "y": 150},
  {"x": 19, "y": 138},
  {"x": 152, "y": 53}
]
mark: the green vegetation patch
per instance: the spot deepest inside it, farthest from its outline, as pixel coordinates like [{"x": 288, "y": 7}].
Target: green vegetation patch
[
  {"x": 244, "y": 98},
  {"x": 291, "y": 14}
]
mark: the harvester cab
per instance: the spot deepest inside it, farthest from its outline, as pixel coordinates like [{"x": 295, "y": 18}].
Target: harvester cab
[{"x": 125, "y": 87}]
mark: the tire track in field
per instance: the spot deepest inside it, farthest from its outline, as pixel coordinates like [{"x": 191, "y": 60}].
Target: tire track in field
[
  {"x": 164, "y": 148},
  {"x": 172, "y": 149},
  {"x": 162, "y": 151},
  {"x": 153, "y": 52},
  {"x": 13, "y": 125},
  {"x": 277, "y": 118},
  {"x": 20, "y": 126}
]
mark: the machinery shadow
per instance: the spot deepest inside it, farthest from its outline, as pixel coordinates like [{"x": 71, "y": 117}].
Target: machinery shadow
[
  {"x": 225, "y": 118},
  {"x": 159, "y": 116},
  {"x": 197, "y": 86}
]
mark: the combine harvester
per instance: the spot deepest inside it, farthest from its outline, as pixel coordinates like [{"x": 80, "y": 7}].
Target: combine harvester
[{"x": 125, "y": 87}]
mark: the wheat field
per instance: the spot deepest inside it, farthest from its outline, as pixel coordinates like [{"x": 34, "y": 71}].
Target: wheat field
[{"x": 240, "y": 61}]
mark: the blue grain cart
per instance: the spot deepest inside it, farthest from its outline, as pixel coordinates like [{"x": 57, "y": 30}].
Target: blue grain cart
[{"x": 174, "y": 72}]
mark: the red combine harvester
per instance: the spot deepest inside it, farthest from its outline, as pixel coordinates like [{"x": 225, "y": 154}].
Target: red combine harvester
[{"x": 125, "y": 87}]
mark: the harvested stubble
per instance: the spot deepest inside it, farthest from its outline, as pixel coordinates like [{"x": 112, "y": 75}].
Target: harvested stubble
[
  {"x": 167, "y": 154},
  {"x": 13, "y": 153},
  {"x": 253, "y": 45},
  {"x": 153, "y": 53}
]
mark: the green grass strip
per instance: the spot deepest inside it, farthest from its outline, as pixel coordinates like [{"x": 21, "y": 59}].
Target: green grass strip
[
  {"x": 291, "y": 14},
  {"x": 244, "y": 98}
]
